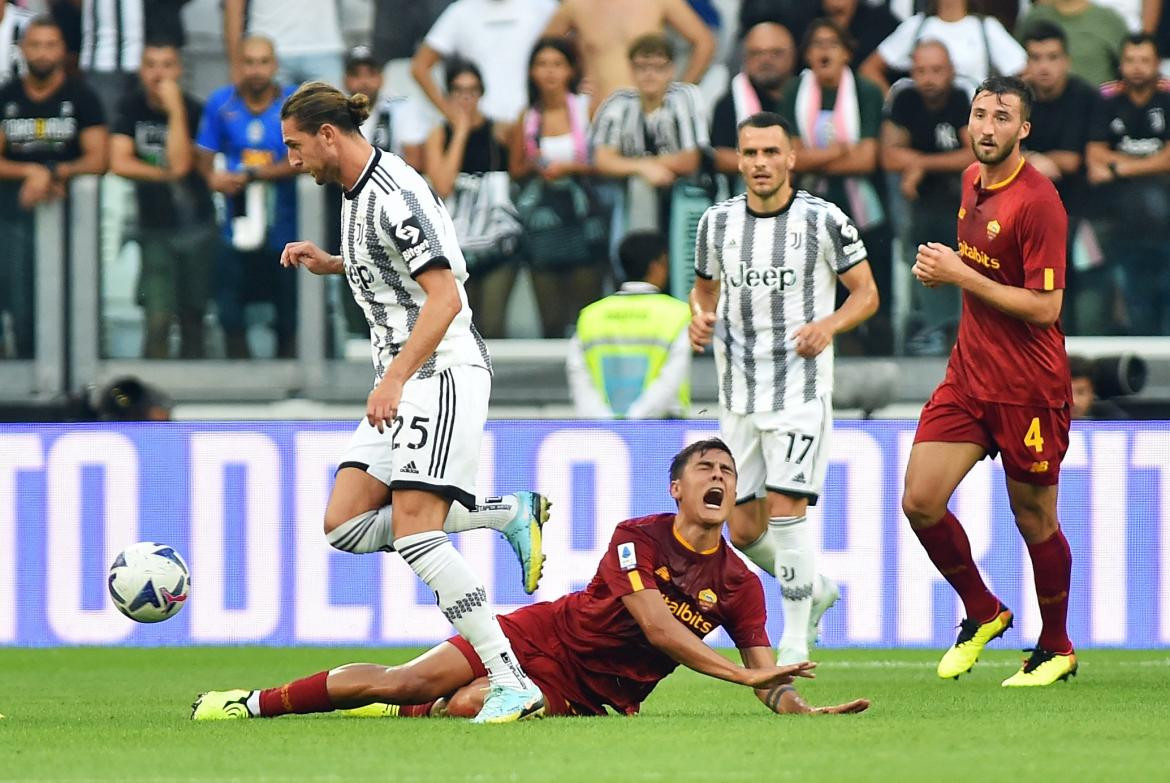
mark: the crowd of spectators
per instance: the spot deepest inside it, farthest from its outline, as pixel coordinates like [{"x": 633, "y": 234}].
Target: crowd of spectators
[{"x": 553, "y": 129}]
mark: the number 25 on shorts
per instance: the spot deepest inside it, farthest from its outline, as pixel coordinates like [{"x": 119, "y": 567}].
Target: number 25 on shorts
[{"x": 1033, "y": 439}]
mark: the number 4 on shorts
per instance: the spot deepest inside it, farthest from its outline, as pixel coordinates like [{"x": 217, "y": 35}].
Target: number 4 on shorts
[{"x": 1033, "y": 438}]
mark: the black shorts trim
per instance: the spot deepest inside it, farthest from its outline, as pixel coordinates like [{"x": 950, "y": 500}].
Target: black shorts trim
[
  {"x": 448, "y": 491},
  {"x": 811, "y": 497},
  {"x": 363, "y": 467}
]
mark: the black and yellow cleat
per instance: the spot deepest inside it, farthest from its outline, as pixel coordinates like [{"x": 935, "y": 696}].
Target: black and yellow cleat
[
  {"x": 1043, "y": 667},
  {"x": 221, "y": 705},
  {"x": 973, "y": 637}
]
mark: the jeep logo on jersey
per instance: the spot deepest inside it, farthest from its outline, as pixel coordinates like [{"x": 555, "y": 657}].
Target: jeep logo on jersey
[
  {"x": 360, "y": 276},
  {"x": 779, "y": 277}
]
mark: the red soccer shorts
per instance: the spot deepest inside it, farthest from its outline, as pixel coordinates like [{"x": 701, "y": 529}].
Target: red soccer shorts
[
  {"x": 1031, "y": 440},
  {"x": 533, "y": 636}
]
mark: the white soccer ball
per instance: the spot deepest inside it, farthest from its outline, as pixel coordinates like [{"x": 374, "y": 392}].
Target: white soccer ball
[{"x": 149, "y": 582}]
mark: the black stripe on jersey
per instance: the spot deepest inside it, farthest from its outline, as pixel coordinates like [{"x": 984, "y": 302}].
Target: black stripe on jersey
[
  {"x": 381, "y": 174},
  {"x": 483, "y": 351},
  {"x": 118, "y": 33},
  {"x": 747, "y": 315},
  {"x": 377, "y": 309},
  {"x": 812, "y": 252},
  {"x": 779, "y": 325},
  {"x": 702, "y": 261},
  {"x": 365, "y": 177},
  {"x": 439, "y": 262},
  {"x": 428, "y": 229},
  {"x": 391, "y": 277},
  {"x": 379, "y": 184},
  {"x": 725, "y": 295},
  {"x": 450, "y": 422}
]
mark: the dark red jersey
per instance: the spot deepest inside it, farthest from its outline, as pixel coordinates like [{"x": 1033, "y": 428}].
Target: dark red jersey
[
  {"x": 607, "y": 656},
  {"x": 1015, "y": 233}
]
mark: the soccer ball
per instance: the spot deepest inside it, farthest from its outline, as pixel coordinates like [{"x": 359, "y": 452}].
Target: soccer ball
[{"x": 149, "y": 582}]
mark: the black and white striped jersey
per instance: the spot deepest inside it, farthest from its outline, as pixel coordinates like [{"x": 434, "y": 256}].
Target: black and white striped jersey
[
  {"x": 679, "y": 124},
  {"x": 11, "y": 28},
  {"x": 776, "y": 272},
  {"x": 393, "y": 228},
  {"x": 112, "y": 35}
]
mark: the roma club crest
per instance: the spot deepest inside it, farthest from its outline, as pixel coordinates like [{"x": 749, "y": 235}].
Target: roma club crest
[
  {"x": 707, "y": 600},
  {"x": 993, "y": 228}
]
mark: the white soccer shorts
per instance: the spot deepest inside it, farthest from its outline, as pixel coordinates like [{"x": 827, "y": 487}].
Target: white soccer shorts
[
  {"x": 782, "y": 451},
  {"x": 433, "y": 443}
]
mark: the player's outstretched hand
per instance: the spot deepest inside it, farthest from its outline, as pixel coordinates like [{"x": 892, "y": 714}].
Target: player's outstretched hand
[
  {"x": 311, "y": 257},
  {"x": 791, "y": 703},
  {"x": 772, "y": 676},
  {"x": 702, "y": 327},
  {"x": 811, "y": 338}
]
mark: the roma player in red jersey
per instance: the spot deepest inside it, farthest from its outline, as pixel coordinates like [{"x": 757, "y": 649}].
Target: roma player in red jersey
[
  {"x": 664, "y": 583},
  {"x": 1006, "y": 388}
]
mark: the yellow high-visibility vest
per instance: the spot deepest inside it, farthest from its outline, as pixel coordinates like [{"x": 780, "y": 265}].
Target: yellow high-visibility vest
[{"x": 626, "y": 339}]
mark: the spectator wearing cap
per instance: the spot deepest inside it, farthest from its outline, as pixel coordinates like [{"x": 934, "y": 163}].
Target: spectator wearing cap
[{"x": 394, "y": 124}]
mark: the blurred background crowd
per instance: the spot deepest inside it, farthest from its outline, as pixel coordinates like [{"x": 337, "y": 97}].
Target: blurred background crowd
[{"x": 554, "y": 131}]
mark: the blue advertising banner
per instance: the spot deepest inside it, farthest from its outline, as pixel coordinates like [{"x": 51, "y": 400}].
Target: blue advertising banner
[{"x": 244, "y": 502}]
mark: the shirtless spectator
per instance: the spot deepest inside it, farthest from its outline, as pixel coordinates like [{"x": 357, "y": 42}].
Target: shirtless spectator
[{"x": 606, "y": 28}]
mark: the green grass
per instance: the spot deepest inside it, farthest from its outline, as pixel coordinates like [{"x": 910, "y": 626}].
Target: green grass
[{"x": 121, "y": 715}]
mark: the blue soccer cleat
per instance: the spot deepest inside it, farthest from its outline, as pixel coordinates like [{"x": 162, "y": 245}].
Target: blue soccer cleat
[
  {"x": 505, "y": 705},
  {"x": 524, "y": 534}
]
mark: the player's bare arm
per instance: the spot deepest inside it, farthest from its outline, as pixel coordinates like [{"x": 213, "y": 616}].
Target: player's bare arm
[
  {"x": 664, "y": 631},
  {"x": 679, "y": 15},
  {"x": 937, "y": 264},
  {"x": 862, "y": 302},
  {"x": 704, "y": 297},
  {"x": 784, "y": 699},
  {"x": 435, "y": 316},
  {"x": 305, "y": 254}
]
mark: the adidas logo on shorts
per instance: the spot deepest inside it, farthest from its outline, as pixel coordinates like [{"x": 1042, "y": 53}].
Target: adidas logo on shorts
[
  {"x": 799, "y": 478},
  {"x": 410, "y": 468}
]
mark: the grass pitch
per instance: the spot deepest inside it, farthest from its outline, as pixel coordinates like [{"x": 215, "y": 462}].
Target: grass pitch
[{"x": 122, "y": 715}]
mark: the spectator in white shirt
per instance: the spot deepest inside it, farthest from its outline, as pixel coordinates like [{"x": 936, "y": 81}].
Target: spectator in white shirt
[
  {"x": 497, "y": 37},
  {"x": 307, "y": 35},
  {"x": 977, "y": 45}
]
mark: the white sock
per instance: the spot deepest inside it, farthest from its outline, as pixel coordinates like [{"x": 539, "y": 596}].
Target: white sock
[
  {"x": 796, "y": 573},
  {"x": 463, "y": 600},
  {"x": 372, "y": 532},
  {"x": 493, "y": 512},
  {"x": 253, "y": 704},
  {"x": 762, "y": 552}
]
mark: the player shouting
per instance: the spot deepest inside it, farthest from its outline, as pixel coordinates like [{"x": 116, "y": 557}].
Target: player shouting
[
  {"x": 419, "y": 443},
  {"x": 664, "y": 582},
  {"x": 1006, "y": 388}
]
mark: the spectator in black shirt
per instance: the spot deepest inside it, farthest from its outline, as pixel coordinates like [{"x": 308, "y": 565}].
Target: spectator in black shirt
[
  {"x": 1055, "y": 146},
  {"x": 769, "y": 62},
  {"x": 924, "y": 137},
  {"x": 153, "y": 144},
  {"x": 1128, "y": 159},
  {"x": 51, "y": 130},
  {"x": 868, "y": 24}
]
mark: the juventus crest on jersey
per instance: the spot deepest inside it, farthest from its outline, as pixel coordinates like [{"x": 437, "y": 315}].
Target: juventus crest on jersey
[
  {"x": 393, "y": 228},
  {"x": 777, "y": 272}
]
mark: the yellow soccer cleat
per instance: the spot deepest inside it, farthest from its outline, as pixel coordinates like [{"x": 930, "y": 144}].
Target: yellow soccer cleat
[
  {"x": 973, "y": 637},
  {"x": 221, "y": 705},
  {"x": 1043, "y": 667},
  {"x": 376, "y": 710}
]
